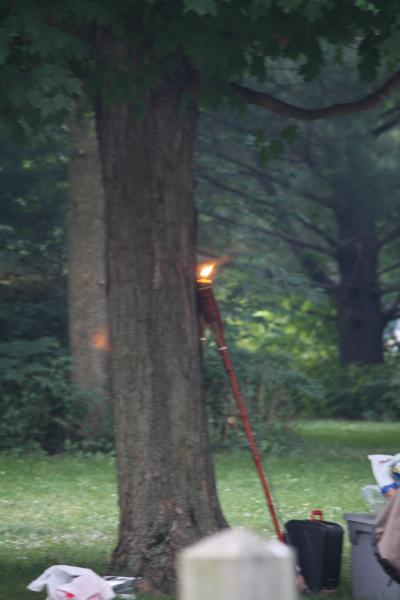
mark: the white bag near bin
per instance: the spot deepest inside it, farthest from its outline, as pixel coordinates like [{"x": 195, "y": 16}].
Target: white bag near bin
[{"x": 72, "y": 583}]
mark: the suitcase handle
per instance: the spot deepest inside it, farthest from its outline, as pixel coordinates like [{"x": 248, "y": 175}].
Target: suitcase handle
[{"x": 316, "y": 513}]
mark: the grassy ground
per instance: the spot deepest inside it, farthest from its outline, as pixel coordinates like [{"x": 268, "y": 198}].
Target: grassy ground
[{"x": 64, "y": 510}]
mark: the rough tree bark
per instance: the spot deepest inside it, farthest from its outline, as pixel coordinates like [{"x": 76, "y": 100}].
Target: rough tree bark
[
  {"x": 86, "y": 276},
  {"x": 167, "y": 494}
]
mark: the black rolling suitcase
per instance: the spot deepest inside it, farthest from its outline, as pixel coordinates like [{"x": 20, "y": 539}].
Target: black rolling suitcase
[{"x": 318, "y": 544}]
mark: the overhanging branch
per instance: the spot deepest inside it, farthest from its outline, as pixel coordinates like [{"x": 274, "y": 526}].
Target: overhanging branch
[{"x": 265, "y": 100}]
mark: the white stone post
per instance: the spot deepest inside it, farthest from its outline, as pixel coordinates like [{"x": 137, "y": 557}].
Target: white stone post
[{"x": 236, "y": 565}]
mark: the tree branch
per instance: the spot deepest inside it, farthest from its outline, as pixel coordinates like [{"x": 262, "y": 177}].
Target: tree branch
[
  {"x": 207, "y": 253},
  {"x": 261, "y": 172},
  {"x": 388, "y": 118},
  {"x": 390, "y": 237},
  {"x": 391, "y": 267},
  {"x": 270, "y": 232},
  {"x": 229, "y": 188},
  {"x": 386, "y": 126},
  {"x": 234, "y": 260},
  {"x": 265, "y": 100},
  {"x": 390, "y": 289},
  {"x": 393, "y": 312},
  {"x": 391, "y": 111},
  {"x": 264, "y": 176},
  {"x": 317, "y": 275},
  {"x": 316, "y": 229},
  {"x": 225, "y": 122},
  {"x": 250, "y": 169}
]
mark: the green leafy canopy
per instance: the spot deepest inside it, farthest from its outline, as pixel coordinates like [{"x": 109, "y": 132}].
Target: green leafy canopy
[{"x": 49, "y": 49}]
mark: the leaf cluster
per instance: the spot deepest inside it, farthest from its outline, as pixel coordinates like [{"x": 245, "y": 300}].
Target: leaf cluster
[
  {"x": 32, "y": 234},
  {"x": 35, "y": 394},
  {"x": 49, "y": 50},
  {"x": 39, "y": 407}
]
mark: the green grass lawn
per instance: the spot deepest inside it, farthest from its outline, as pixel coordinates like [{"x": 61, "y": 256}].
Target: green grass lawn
[{"x": 63, "y": 510}]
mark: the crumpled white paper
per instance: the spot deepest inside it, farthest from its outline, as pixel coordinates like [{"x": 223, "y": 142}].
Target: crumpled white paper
[
  {"x": 72, "y": 583},
  {"x": 384, "y": 467}
]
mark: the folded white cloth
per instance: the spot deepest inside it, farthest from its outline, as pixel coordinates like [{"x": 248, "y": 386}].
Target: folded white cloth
[{"x": 75, "y": 583}]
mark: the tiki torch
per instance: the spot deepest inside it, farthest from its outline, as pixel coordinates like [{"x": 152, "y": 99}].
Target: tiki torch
[{"x": 210, "y": 317}]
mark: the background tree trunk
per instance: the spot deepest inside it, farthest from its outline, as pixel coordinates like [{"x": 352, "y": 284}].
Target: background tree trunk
[
  {"x": 87, "y": 276},
  {"x": 167, "y": 492},
  {"x": 357, "y": 295}
]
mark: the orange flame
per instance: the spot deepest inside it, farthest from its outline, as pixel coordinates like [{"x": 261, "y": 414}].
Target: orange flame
[
  {"x": 207, "y": 270},
  {"x": 204, "y": 271},
  {"x": 99, "y": 340}
]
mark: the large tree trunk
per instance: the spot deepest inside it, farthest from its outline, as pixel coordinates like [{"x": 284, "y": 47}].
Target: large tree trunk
[
  {"x": 167, "y": 492},
  {"x": 87, "y": 278},
  {"x": 359, "y": 312}
]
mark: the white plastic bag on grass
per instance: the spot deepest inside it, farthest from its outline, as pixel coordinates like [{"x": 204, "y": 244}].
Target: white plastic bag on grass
[{"x": 72, "y": 583}]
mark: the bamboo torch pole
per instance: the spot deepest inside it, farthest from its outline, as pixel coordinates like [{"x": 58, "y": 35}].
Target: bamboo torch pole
[{"x": 211, "y": 316}]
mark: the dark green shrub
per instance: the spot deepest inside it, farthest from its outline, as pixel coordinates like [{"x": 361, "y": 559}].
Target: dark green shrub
[
  {"x": 38, "y": 405},
  {"x": 32, "y": 308},
  {"x": 271, "y": 387},
  {"x": 357, "y": 391}
]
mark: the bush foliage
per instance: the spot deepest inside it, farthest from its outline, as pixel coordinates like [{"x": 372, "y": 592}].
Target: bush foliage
[
  {"x": 286, "y": 373},
  {"x": 38, "y": 405}
]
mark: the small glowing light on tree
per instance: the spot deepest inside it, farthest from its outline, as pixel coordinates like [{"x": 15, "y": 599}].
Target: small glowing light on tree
[{"x": 99, "y": 340}]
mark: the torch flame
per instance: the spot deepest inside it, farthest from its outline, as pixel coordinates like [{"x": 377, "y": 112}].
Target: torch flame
[
  {"x": 204, "y": 271},
  {"x": 207, "y": 270}
]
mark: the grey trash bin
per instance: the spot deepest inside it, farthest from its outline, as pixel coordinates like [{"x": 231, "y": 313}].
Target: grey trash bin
[{"x": 368, "y": 580}]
